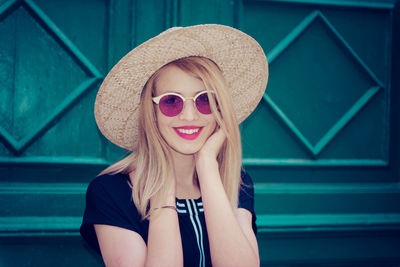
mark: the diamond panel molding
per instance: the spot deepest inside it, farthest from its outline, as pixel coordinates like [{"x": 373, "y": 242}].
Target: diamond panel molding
[
  {"x": 42, "y": 74},
  {"x": 331, "y": 92}
]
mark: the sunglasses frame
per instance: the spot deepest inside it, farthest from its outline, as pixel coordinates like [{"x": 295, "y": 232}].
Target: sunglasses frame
[{"x": 157, "y": 99}]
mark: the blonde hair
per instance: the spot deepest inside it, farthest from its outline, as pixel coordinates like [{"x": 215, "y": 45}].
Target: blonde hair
[{"x": 151, "y": 162}]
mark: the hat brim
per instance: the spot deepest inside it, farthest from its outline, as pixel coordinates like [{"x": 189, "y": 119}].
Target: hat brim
[{"x": 239, "y": 56}]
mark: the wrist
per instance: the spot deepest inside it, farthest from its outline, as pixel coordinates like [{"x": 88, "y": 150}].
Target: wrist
[
  {"x": 206, "y": 161},
  {"x": 206, "y": 165},
  {"x": 163, "y": 198}
]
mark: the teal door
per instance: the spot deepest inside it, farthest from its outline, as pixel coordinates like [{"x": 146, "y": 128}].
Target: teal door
[{"x": 323, "y": 146}]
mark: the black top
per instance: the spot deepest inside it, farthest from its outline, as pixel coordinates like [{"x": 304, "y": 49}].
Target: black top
[{"x": 109, "y": 201}]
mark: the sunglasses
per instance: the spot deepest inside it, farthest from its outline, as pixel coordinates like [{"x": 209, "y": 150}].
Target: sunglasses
[{"x": 171, "y": 104}]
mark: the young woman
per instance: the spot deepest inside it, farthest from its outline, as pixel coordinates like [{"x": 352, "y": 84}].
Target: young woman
[{"x": 180, "y": 198}]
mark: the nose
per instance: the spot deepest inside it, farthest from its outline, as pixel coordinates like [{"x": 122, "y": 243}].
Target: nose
[{"x": 189, "y": 112}]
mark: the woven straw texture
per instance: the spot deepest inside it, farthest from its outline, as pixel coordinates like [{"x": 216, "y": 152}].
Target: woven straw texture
[{"x": 239, "y": 56}]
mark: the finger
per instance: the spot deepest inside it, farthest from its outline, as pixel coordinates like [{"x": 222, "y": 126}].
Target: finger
[
  {"x": 221, "y": 136},
  {"x": 215, "y": 141}
]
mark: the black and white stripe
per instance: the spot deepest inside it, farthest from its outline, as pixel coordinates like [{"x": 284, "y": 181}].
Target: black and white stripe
[
  {"x": 180, "y": 207},
  {"x": 193, "y": 208},
  {"x": 194, "y": 218},
  {"x": 200, "y": 205}
]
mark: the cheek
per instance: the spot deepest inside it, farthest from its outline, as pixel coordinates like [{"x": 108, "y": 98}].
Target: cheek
[
  {"x": 163, "y": 123},
  {"x": 160, "y": 119},
  {"x": 212, "y": 125}
]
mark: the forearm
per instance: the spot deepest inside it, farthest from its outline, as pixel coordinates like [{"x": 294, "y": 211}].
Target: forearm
[
  {"x": 164, "y": 245},
  {"x": 228, "y": 244}
]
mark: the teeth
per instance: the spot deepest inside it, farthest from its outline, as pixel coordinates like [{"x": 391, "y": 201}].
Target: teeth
[{"x": 188, "y": 131}]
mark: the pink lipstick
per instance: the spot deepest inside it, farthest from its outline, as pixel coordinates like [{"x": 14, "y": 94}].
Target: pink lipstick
[{"x": 188, "y": 132}]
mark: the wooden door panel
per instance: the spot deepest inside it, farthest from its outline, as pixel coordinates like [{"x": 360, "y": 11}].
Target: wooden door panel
[
  {"x": 330, "y": 106},
  {"x": 322, "y": 146}
]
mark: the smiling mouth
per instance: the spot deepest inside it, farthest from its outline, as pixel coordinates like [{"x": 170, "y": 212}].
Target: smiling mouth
[{"x": 188, "y": 132}]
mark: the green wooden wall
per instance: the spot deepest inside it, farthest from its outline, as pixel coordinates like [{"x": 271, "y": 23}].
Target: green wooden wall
[{"x": 323, "y": 146}]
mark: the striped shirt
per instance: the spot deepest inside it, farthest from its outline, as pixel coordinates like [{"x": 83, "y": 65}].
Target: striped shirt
[{"x": 109, "y": 201}]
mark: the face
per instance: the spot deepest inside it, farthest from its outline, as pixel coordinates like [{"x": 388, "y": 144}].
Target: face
[{"x": 187, "y": 132}]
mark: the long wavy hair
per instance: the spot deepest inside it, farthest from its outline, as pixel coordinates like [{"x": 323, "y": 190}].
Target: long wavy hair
[{"x": 150, "y": 163}]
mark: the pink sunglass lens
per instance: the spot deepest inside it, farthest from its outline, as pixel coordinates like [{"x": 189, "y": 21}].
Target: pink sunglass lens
[
  {"x": 203, "y": 104},
  {"x": 171, "y": 105}
]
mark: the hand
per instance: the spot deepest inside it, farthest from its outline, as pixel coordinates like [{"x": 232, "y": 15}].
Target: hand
[{"x": 211, "y": 147}]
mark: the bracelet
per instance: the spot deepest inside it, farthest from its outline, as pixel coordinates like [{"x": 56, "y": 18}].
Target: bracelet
[
  {"x": 166, "y": 207},
  {"x": 169, "y": 207}
]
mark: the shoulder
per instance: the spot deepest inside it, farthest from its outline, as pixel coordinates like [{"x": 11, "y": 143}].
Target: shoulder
[
  {"x": 246, "y": 197},
  {"x": 110, "y": 180},
  {"x": 246, "y": 179},
  {"x": 246, "y": 192},
  {"x": 110, "y": 184},
  {"x": 109, "y": 202},
  {"x": 246, "y": 185},
  {"x": 111, "y": 194}
]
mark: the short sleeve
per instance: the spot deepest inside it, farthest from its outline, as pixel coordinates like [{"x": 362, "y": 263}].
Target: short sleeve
[
  {"x": 109, "y": 202},
  {"x": 246, "y": 197}
]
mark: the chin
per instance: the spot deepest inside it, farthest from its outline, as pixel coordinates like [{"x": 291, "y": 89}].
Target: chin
[{"x": 187, "y": 150}]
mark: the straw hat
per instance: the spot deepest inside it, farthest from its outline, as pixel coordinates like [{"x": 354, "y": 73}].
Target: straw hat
[{"x": 239, "y": 56}]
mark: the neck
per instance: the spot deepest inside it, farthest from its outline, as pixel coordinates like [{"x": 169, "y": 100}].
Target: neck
[{"x": 184, "y": 166}]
